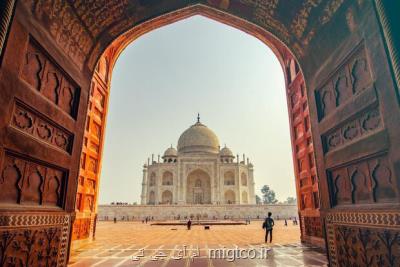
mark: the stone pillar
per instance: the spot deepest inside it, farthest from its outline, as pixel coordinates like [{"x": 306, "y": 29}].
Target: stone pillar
[
  {"x": 158, "y": 186},
  {"x": 143, "y": 196},
  {"x": 212, "y": 185},
  {"x": 218, "y": 183},
  {"x": 237, "y": 184},
  {"x": 251, "y": 184}
]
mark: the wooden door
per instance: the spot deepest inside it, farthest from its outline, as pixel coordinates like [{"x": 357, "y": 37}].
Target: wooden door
[{"x": 43, "y": 107}]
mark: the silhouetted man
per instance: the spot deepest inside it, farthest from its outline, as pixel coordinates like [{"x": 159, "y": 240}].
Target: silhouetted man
[
  {"x": 189, "y": 224},
  {"x": 268, "y": 225}
]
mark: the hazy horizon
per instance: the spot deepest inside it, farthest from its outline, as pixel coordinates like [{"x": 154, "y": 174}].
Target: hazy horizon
[{"x": 164, "y": 78}]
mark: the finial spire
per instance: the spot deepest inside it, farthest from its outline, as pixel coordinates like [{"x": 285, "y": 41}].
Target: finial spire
[{"x": 198, "y": 117}]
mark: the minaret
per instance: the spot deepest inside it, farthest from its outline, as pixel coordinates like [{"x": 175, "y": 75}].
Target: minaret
[
  {"x": 143, "y": 196},
  {"x": 251, "y": 184}
]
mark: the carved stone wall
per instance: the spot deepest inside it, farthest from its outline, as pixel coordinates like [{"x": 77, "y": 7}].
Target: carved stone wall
[
  {"x": 36, "y": 240},
  {"x": 374, "y": 243},
  {"x": 43, "y": 75},
  {"x": 89, "y": 173},
  {"x": 27, "y": 182},
  {"x": 355, "y": 110}
]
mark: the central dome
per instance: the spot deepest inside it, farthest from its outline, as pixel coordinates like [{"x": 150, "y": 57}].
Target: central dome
[{"x": 198, "y": 138}]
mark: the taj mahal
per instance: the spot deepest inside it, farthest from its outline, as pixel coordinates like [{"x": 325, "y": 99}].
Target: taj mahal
[
  {"x": 202, "y": 179},
  {"x": 198, "y": 172}
]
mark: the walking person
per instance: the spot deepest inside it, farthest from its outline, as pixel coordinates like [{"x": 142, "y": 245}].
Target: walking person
[
  {"x": 268, "y": 225},
  {"x": 189, "y": 224}
]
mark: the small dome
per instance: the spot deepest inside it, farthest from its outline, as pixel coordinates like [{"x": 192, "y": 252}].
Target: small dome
[
  {"x": 226, "y": 152},
  {"x": 170, "y": 152},
  {"x": 198, "y": 138}
]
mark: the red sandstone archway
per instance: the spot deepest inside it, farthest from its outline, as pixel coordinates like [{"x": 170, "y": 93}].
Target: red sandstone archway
[
  {"x": 342, "y": 79},
  {"x": 306, "y": 178}
]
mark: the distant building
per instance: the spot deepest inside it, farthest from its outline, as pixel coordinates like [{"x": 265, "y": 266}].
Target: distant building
[{"x": 199, "y": 172}]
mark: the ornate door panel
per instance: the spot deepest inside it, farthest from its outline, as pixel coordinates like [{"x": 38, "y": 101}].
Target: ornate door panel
[
  {"x": 356, "y": 134},
  {"x": 42, "y": 113},
  {"x": 90, "y": 165},
  {"x": 303, "y": 156}
]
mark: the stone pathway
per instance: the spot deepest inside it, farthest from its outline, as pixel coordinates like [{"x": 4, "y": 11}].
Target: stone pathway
[{"x": 134, "y": 244}]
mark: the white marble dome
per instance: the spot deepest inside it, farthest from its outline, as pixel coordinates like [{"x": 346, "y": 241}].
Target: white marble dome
[
  {"x": 226, "y": 152},
  {"x": 170, "y": 152},
  {"x": 198, "y": 138}
]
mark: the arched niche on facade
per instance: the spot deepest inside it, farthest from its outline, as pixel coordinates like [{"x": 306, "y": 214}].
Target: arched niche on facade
[
  {"x": 166, "y": 197},
  {"x": 229, "y": 178},
  {"x": 245, "y": 198},
  {"x": 152, "y": 198},
  {"x": 243, "y": 179},
  {"x": 230, "y": 197},
  {"x": 167, "y": 178},
  {"x": 152, "y": 180},
  {"x": 198, "y": 189}
]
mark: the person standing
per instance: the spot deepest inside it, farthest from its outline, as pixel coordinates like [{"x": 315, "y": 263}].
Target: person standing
[
  {"x": 189, "y": 224},
  {"x": 268, "y": 225}
]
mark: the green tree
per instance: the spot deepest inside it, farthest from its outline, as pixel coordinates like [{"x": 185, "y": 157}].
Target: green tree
[
  {"x": 258, "y": 199},
  {"x": 291, "y": 200},
  {"x": 268, "y": 195}
]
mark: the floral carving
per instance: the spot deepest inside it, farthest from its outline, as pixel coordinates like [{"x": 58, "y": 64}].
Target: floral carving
[
  {"x": 371, "y": 121},
  {"x": 26, "y": 247},
  {"x": 364, "y": 124},
  {"x": 38, "y": 126},
  {"x": 61, "y": 140},
  {"x": 23, "y": 120},
  {"x": 350, "y": 131},
  {"x": 367, "y": 246},
  {"x": 44, "y": 131}
]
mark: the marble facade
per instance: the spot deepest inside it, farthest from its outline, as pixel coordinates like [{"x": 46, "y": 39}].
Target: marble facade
[{"x": 199, "y": 172}]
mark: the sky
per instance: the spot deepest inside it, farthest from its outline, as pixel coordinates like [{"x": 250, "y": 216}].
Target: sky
[{"x": 164, "y": 78}]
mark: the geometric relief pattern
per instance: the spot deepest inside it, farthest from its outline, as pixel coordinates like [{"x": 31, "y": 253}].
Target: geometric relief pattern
[
  {"x": 34, "y": 124},
  {"x": 313, "y": 226},
  {"x": 27, "y": 182},
  {"x": 42, "y": 245},
  {"x": 350, "y": 79},
  {"x": 359, "y": 246},
  {"x": 364, "y": 182},
  {"x": 379, "y": 219},
  {"x": 366, "y": 123},
  {"x": 45, "y": 76}
]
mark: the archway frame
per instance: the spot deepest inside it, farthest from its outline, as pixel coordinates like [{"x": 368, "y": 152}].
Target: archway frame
[
  {"x": 361, "y": 38},
  {"x": 294, "y": 82}
]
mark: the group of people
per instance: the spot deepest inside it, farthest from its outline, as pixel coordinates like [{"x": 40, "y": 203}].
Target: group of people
[
  {"x": 147, "y": 219},
  {"x": 268, "y": 225},
  {"x": 120, "y": 203},
  {"x": 294, "y": 221}
]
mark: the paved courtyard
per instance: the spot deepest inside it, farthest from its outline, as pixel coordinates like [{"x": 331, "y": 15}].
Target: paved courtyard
[{"x": 137, "y": 244}]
